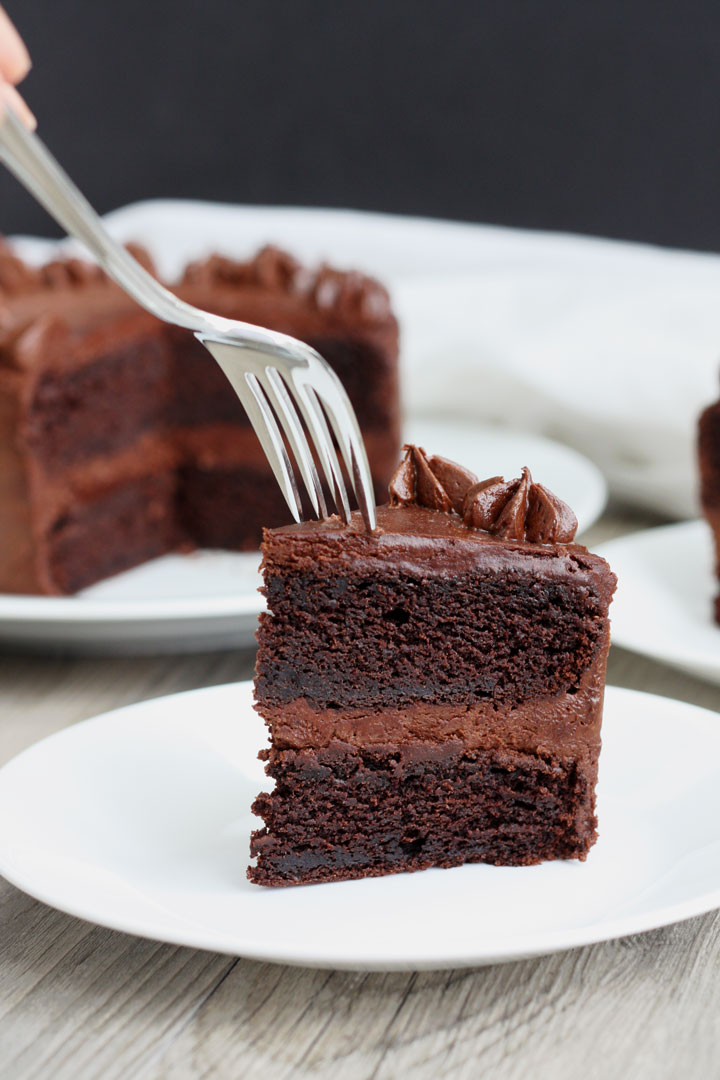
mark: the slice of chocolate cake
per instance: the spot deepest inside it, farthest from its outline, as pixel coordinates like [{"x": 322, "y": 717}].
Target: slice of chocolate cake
[
  {"x": 434, "y": 690},
  {"x": 120, "y": 437},
  {"x": 709, "y": 465}
]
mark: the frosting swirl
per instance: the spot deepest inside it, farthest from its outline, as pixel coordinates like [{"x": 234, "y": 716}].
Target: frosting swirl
[
  {"x": 435, "y": 482},
  {"x": 509, "y": 509},
  {"x": 519, "y": 510}
]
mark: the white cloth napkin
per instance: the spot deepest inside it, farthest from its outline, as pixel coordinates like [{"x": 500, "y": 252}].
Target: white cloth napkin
[{"x": 613, "y": 348}]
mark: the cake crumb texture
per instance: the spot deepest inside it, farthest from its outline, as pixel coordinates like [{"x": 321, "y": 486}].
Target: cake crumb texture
[{"x": 348, "y": 813}]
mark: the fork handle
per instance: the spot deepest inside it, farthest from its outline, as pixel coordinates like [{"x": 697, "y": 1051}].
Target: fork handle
[{"x": 31, "y": 162}]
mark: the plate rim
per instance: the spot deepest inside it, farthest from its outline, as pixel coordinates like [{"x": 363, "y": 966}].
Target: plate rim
[{"x": 540, "y": 944}]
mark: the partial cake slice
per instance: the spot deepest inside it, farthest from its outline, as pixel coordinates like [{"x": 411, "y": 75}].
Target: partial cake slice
[
  {"x": 434, "y": 690},
  {"x": 709, "y": 465}
]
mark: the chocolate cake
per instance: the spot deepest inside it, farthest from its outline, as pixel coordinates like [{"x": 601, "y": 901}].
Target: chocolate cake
[
  {"x": 433, "y": 690},
  {"x": 709, "y": 463},
  {"x": 120, "y": 437}
]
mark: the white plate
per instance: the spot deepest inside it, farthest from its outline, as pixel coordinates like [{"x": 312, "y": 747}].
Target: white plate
[
  {"x": 663, "y": 607},
  {"x": 139, "y": 820},
  {"x": 210, "y": 600}
]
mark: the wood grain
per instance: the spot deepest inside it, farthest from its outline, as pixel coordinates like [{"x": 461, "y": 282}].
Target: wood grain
[{"x": 78, "y": 1002}]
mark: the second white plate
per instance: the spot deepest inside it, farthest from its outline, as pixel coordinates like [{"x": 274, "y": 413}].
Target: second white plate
[
  {"x": 139, "y": 820},
  {"x": 663, "y": 607},
  {"x": 209, "y": 600}
]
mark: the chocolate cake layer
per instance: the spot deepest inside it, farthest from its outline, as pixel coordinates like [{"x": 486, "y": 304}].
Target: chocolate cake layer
[
  {"x": 476, "y": 638},
  {"x": 348, "y": 812},
  {"x": 488, "y": 620},
  {"x": 147, "y": 515},
  {"x": 102, "y": 407},
  {"x": 119, "y": 529},
  {"x": 212, "y": 505}
]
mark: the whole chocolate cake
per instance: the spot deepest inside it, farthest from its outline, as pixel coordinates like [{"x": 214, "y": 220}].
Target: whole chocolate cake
[
  {"x": 434, "y": 690},
  {"x": 120, "y": 437}
]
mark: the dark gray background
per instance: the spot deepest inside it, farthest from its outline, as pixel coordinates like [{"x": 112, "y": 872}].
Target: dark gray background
[{"x": 590, "y": 116}]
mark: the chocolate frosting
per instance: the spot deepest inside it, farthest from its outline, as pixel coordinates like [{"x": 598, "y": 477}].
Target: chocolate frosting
[
  {"x": 271, "y": 268},
  {"x": 15, "y": 275},
  {"x": 326, "y": 289},
  {"x": 509, "y": 509},
  {"x": 17, "y": 278},
  {"x": 565, "y": 726},
  {"x": 435, "y": 483},
  {"x": 345, "y": 294},
  {"x": 519, "y": 510},
  {"x": 349, "y": 294}
]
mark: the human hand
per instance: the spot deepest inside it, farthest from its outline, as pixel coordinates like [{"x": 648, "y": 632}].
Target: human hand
[{"x": 14, "y": 66}]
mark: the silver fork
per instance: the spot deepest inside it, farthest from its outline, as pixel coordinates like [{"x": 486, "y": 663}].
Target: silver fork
[{"x": 282, "y": 383}]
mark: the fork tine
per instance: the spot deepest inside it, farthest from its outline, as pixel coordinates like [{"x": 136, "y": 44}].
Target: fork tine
[
  {"x": 314, "y": 417},
  {"x": 281, "y": 402},
  {"x": 261, "y": 417},
  {"x": 314, "y": 388},
  {"x": 363, "y": 486},
  {"x": 341, "y": 415}
]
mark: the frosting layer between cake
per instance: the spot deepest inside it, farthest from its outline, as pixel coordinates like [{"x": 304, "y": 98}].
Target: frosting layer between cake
[{"x": 564, "y": 726}]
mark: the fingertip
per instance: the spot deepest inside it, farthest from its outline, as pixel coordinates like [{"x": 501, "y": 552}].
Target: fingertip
[{"x": 14, "y": 58}]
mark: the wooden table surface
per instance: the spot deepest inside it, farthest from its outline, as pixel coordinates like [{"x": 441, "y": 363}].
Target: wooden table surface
[{"x": 78, "y": 1001}]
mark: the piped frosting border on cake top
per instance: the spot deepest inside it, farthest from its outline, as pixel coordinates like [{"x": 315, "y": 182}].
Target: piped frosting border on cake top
[
  {"x": 18, "y": 278},
  {"x": 343, "y": 294},
  {"x": 346, "y": 293},
  {"x": 517, "y": 509}
]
